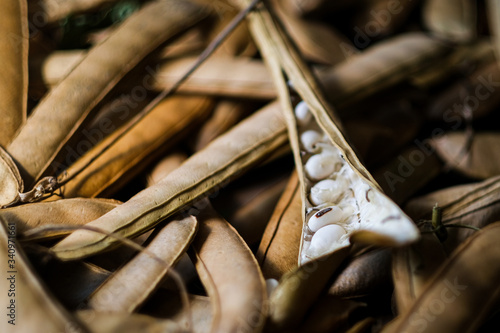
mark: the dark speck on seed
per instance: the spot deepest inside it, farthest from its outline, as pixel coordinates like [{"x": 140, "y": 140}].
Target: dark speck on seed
[{"x": 323, "y": 212}]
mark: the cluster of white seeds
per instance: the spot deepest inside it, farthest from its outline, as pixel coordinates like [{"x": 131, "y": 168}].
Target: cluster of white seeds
[{"x": 339, "y": 200}]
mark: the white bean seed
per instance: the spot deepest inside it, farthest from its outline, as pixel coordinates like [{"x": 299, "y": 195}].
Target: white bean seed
[
  {"x": 310, "y": 139},
  {"x": 302, "y": 113},
  {"x": 326, "y": 239},
  {"x": 320, "y": 166}
]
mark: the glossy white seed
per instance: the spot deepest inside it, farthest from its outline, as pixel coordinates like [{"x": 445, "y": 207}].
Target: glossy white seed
[
  {"x": 320, "y": 166},
  {"x": 326, "y": 239},
  {"x": 330, "y": 215},
  {"x": 328, "y": 190},
  {"x": 310, "y": 139},
  {"x": 302, "y": 114}
]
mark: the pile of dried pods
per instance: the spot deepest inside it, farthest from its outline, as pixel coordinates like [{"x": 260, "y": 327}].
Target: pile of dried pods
[{"x": 249, "y": 166}]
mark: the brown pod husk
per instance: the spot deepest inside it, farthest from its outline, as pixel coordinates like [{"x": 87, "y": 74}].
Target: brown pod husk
[
  {"x": 34, "y": 220},
  {"x": 127, "y": 157},
  {"x": 317, "y": 42},
  {"x": 235, "y": 309},
  {"x": 257, "y": 204},
  {"x": 377, "y": 19},
  {"x": 14, "y": 68},
  {"x": 129, "y": 287},
  {"x": 226, "y": 114},
  {"x": 165, "y": 166},
  {"x": 412, "y": 268},
  {"x": 410, "y": 171},
  {"x": 104, "y": 322},
  {"x": 474, "y": 156},
  {"x": 451, "y": 19},
  {"x": 167, "y": 304},
  {"x": 63, "y": 110},
  {"x": 329, "y": 314},
  {"x": 363, "y": 275},
  {"x": 11, "y": 183},
  {"x": 461, "y": 294},
  {"x": 58, "y": 10},
  {"x": 32, "y": 306},
  {"x": 225, "y": 158},
  {"x": 385, "y": 64},
  {"x": 474, "y": 97},
  {"x": 279, "y": 248}
]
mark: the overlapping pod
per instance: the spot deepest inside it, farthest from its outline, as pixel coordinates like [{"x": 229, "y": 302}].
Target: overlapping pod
[
  {"x": 462, "y": 292},
  {"x": 11, "y": 183},
  {"x": 127, "y": 157},
  {"x": 279, "y": 248},
  {"x": 364, "y": 274},
  {"x": 451, "y": 19},
  {"x": 132, "y": 284},
  {"x": 236, "y": 309},
  {"x": 413, "y": 267},
  {"x": 476, "y": 95},
  {"x": 57, "y": 10},
  {"x": 34, "y": 220},
  {"x": 474, "y": 156},
  {"x": 381, "y": 66},
  {"x": 227, "y": 157},
  {"x": 63, "y": 110},
  {"x": 14, "y": 68},
  {"x": 103, "y": 322},
  {"x": 29, "y": 298}
]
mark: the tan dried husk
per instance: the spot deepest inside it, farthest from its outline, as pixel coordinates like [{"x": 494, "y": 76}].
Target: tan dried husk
[
  {"x": 493, "y": 8},
  {"x": 251, "y": 218},
  {"x": 35, "y": 307},
  {"x": 220, "y": 75},
  {"x": 11, "y": 183},
  {"x": 279, "y": 248},
  {"x": 14, "y": 68},
  {"x": 478, "y": 159},
  {"x": 377, "y": 19},
  {"x": 463, "y": 58},
  {"x": 454, "y": 104},
  {"x": 130, "y": 286},
  {"x": 104, "y": 322},
  {"x": 385, "y": 64},
  {"x": 298, "y": 289},
  {"x": 226, "y": 114},
  {"x": 451, "y": 19},
  {"x": 329, "y": 314},
  {"x": 158, "y": 131},
  {"x": 235, "y": 308},
  {"x": 466, "y": 287},
  {"x": 57, "y": 10},
  {"x": 165, "y": 166},
  {"x": 363, "y": 275},
  {"x": 224, "y": 159},
  {"x": 33, "y": 221},
  {"x": 66, "y": 106},
  {"x": 400, "y": 178},
  {"x": 412, "y": 268},
  {"x": 168, "y": 304},
  {"x": 316, "y": 41}
]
